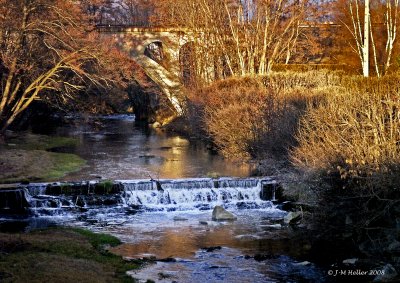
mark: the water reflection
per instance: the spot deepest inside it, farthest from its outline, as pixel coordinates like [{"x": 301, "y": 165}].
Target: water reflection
[
  {"x": 159, "y": 235},
  {"x": 216, "y": 252},
  {"x": 117, "y": 148}
]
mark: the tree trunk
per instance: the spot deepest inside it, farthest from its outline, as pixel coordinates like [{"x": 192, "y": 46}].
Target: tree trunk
[{"x": 366, "y": 40}]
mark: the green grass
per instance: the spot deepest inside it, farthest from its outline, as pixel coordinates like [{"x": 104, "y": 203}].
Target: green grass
[
  {"x": 61, "y": 255},
  {"x": 36, "y": 165},
  {"x": 98, "y": 240},
  {"x": 63, "y": 163},
  {"x": 40, "y": 142},
  {"x": 26, "y": 157}
]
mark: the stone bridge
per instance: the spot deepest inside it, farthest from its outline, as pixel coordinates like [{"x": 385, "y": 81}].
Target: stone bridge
[{"x": 160, "y": 52}]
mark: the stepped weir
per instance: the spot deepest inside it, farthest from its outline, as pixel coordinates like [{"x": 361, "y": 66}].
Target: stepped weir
[{"x": 39, "y": 199}]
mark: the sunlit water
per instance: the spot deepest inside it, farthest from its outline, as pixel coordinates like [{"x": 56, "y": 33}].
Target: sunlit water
[
  {"x": 116, "y": 148},
  {"x": 204, "y": 250}
]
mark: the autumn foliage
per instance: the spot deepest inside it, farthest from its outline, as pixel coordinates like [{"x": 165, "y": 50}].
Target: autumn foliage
[{"x": 232, "y": 115}]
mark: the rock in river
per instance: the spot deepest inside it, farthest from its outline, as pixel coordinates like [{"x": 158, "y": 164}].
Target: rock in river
[
  {"x": 292, "y": 217},
  {"x": 220, "y": 214}
]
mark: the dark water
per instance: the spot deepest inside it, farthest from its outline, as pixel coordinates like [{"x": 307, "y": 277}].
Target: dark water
[{"x": 117, "y": 148}]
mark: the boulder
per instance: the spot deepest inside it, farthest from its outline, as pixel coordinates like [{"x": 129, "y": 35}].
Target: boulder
[
  {"x": 292, "y": 217},
  {"x": 221, "y": 214}
]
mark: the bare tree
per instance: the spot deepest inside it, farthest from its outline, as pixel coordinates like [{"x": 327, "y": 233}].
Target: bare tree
[
  {"x": 381, "y": 17},
  {"x": 47, "y": 53},
  {"x": 365, "y": 49},
  {"x": 234, "y": 37},
  {"x": 387, "y": 17},
  {"x": 391, "y": 15},
  {"x": 360, "y": 34}
]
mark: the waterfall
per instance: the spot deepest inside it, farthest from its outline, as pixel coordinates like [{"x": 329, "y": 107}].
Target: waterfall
[
  {"x": 140, "y": 195},
  {"x": 203, "y": 193},
  {"x": 37, "y": 189}
]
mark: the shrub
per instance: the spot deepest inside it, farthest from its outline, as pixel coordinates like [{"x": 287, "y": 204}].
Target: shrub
[
  {"x": 255, "y": 117},
  {"x": 351, "y": 139},
  {"x": 354, "y": 134},
  {"x": 301, "y": 68},
  {"x": 230, "y": 113}
]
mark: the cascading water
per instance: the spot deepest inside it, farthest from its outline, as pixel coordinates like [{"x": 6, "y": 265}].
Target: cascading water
[
  {"x": 191, "y": 194},
  {"x": 148, "y": 195}
]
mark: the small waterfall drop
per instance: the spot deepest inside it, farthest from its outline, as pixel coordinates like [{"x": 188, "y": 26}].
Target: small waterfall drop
[
  {"x": 50, "y": 199},
  {"x": 189, "y": 194}
]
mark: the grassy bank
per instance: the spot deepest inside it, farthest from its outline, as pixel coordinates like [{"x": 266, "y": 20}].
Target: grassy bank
[
  {"x": 61, "y": 255},
  {"x": 28, "y": 157}
]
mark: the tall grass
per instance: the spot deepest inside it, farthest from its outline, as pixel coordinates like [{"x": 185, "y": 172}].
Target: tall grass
[{"x": 354, "y": 133}]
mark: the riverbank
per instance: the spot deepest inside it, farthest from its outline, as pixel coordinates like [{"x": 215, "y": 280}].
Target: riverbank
[
  {"x": 27, "y": 157},
  {"x": 332, "y": 140},
  {"x": 61, "y": 255}
]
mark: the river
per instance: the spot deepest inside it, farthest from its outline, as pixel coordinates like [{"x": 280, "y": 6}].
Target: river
[
  {"x": 115, "y": 147},
  {"x": 172, "y": 218}
]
